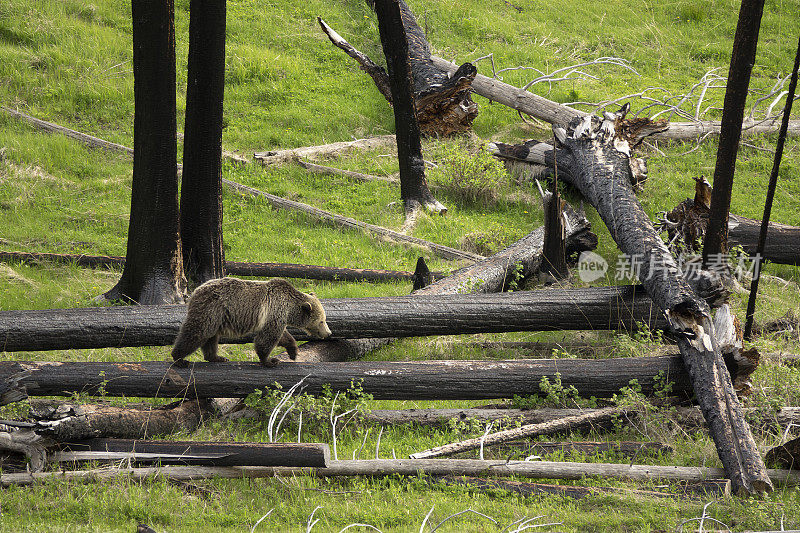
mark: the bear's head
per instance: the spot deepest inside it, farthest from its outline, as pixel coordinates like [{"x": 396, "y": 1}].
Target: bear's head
[{"x": 313, "y": 318}]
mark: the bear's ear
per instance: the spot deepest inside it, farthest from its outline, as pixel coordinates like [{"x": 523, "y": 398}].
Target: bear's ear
[{"x": 306, "y": 307}]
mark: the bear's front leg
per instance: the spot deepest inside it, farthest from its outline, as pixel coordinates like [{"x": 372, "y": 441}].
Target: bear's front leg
[
  {"x": 264, "y": 342},
  {"x": 288, "y": 342}
]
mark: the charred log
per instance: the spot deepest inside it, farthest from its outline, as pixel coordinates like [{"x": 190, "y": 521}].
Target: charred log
[
  {"x": 405, "y": 380},
  {"x": 686, "y": 227},
  {"x": 424, "y": 313},
  {"x": 598, "y": 151}
]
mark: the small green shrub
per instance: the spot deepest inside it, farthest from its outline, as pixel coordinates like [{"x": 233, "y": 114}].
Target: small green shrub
[{"x": 472, "y": 177}]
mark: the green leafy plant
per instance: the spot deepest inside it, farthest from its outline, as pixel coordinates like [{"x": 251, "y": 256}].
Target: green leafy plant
[{"x": 473, "y": 177}]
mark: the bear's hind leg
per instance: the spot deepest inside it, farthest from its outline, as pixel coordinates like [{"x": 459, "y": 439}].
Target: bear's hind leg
[
  {"x": 288, "y": 342},
  {"x": 187, "y": 342},
  {"x": 264, "y": 343},
  {"x": 211, "y": 350}
]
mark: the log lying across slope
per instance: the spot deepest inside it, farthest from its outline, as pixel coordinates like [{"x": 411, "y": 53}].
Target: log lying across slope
[
  {"x": 493, "y": 274},
  {"x": 416, "y": 315},
  {"x": 555, "y": 113},
  {"x": 689, "y": 219},
  {"x": 597, "y": 151},
  {"x": 404, "y": 380},
  {"x": 234, "y": 268}
]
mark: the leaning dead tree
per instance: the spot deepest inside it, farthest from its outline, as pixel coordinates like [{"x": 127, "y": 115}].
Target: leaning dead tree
[
  {"x": 413, "y": 184},
  {"x": 403, "y": 380},
  {"x": 442, "y": 101},
  {"x": 598, "y": 150},
  {"x": 423, "y": 313}
]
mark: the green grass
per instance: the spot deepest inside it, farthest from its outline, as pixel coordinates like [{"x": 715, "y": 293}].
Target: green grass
[{"x": 70, "y": 62}]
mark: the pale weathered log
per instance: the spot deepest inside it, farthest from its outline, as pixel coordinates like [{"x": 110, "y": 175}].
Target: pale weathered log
[
  {"x": 347, "y": 222},
  {"x": 598, "y": 150},
  {"x": 407, "y": 380},
  {"x": 555, "y": 113},
  {"x": 531, "y": 430},
  {"x": 321, "y": 169},
  {"x": 199, "y": 452},
  {"x": 422, "y": 314},
  {"x": 275, "y": 157},
  {"x": 690, "y": 417},
  {"x": 235, "y": 268},
  {"x": 404, "y": 467}
]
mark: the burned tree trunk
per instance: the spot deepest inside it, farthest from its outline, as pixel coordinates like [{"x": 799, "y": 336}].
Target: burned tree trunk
[
  {"x": 443, "y": 102},
  {"x": 432, "y": 310},
  {"x": 413, "y": 185},
  {"x": 153, "y": 271},
  {"x": 686, "y": 226},
  {"x": 404, "y": 380},
  {"x": 742, "y": 58},
  {"x": 598, "y": 152},
  {"x": 201, "y": 188}
]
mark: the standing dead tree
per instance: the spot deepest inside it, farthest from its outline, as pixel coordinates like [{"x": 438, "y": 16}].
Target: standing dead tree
[
  {"x": 442, "y": 101},
  {"x": 598, "y": 152},
  {"x": 413, "y": 185},
  {"x": 201, "y": 187},
  {"x": 153, "y": 271},
  {"x": 744, "y": 55}
]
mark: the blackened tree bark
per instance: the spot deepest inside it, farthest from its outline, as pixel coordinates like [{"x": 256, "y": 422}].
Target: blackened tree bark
[
  {"x": 153, "y": 271},
  {"x": 201, "y": 188},
  {"x": 599, "y": 152},
  {"x": 742, "y": 59},
  {"x": 443, "y": 100},
  {"x": 413, "y": 185}
]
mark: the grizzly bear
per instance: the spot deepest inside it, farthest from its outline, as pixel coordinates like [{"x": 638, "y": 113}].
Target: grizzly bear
[{"x": 232, "y": 307}]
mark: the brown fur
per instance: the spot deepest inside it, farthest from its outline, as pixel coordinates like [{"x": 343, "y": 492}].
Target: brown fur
[{"x": 231, "y": 307}]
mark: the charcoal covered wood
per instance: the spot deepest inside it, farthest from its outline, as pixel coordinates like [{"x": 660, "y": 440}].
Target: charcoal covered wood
[
  {"x": 443, "y": 102},
  {"x": 598, "y": 151},
  {"x": 412, "y": 380},
  {"x": 786, "y": 455},
  {"x": 686, "y": 225},
  {"x": 426, "y": 312}
]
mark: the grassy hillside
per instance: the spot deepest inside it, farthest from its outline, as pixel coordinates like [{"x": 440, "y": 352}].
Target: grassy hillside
[{"x": 69, "y": 62}]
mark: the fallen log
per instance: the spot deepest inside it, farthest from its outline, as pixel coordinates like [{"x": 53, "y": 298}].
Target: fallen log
[
  {"x": 546, "y": 428},
  {"x": 555, "y": 113},
  {"x": 421, "y": 314},
  {"x": 787, "y": 455},
  {"x": 493, "y": 274},
  {"x": 234, "y": 268},
  {"x": 320, "y": 169},
  {"x": 686, "y": 226},
  {"x": 276, "y": 157},
  {"x": 407, "y": 380},
  {"x": 79, "y": 422},
  {"x": 403, "y": 467},
  {"x": 690, "y": 417},
  {"x": 94, "y": 142},
  {"x": 347, "y": 222},
  {"x": 598, "y": 150},
  {"x": 197, "y": 452}
]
